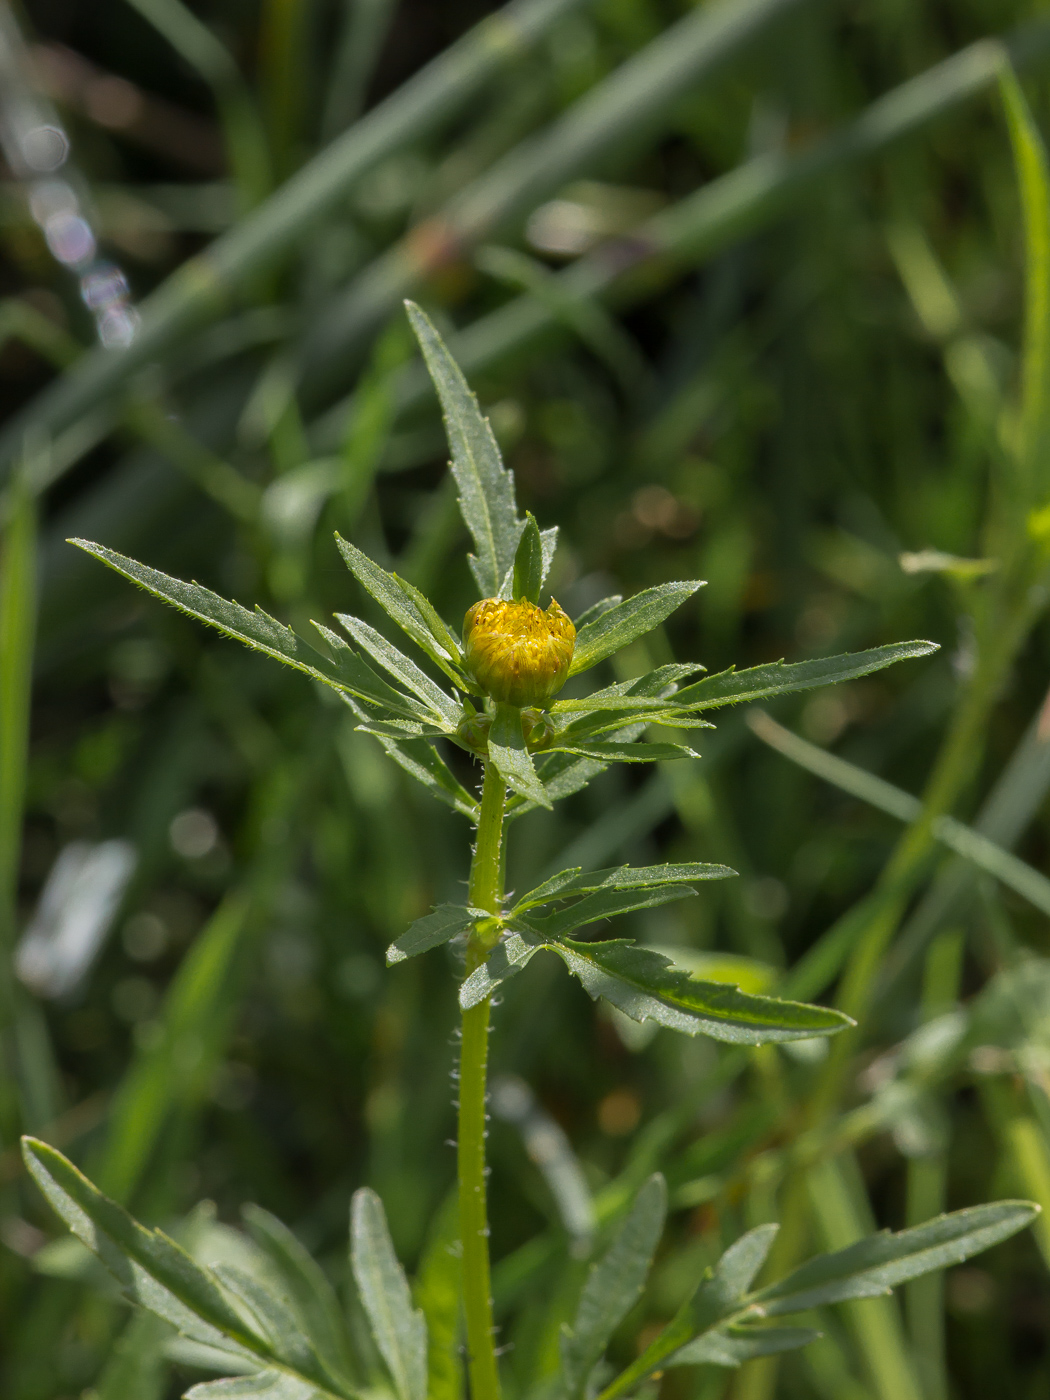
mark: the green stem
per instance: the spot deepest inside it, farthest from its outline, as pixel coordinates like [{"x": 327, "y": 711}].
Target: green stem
[{"x": 485, "y": 892}]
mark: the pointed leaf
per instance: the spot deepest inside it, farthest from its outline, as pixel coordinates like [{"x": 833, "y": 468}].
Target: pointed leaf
[
  {"x": 738, "y": 1266},
  {"x": 419, "y": 758},
  {"x": 647, "y": 986},
  {"x": 614, "y": 1285},
  {"x": 367, "y": 685},
  {"x": 399, "y": 1330},
  {"x": 605, "y": 904},
  {"x": 263, "y": 1385},
  {"x": 432, "y": 930},
  {"x": 410, "y": 609},
  {"x": 874, "y": 1265},
  {"x": 621, "y": 877},
  {"x": 731, "y": 687},
  {"x": 528, "y": 563},
  {"x": 486, "y": 488},
  {"x": 732, "y": 1346},
  {"x": 628, "y": 621},
  {"x": 276, "y": 1320},
  {"x": 307, "y": 1286},
  {"x": 151, "y": 1269},
  {"x": 508, "y": 752},
  {"x": 510, "y": 955},
  {"x": 595, "y": 611},
  {"x": 402, "y": 669},
  {"x": 627, "y": 753}
]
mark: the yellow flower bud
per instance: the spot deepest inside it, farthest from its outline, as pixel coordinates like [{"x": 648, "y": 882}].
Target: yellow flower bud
[{"x": 517, "y": 652}]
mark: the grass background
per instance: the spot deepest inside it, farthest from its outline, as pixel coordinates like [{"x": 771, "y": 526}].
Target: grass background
[{"x": 779, "y": 390}]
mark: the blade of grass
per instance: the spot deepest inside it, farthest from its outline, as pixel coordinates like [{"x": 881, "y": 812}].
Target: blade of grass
[
  {"x": 201, "y": 289},
  {"x": 366, "y": 24}
]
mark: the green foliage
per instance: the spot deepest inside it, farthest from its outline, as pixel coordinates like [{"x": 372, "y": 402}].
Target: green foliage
[{"x": 399, "y": 1329}]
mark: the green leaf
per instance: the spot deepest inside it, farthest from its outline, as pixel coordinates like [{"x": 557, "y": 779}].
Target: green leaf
[
  {"x": 368, "y": 685},
  {"x": 513, "y": 952},
  {"x": 410, "y": 609},
  {"x": 627, "y": 621},
  {"x": 595, "y": 611},
  {"x": 736, "y": 1270},
  {"x": 432, "y": 930},
  {"x": 627, "y": 753},
  {"x": 605, "y": 904},
  {"x": 263, "y": 1385},
  {"x": 403, "y": 670},
  {"x": 528, "y": 562},
  {"x": 614, "y": 1285},
  {"x": 876, "y": 1264},
  {"x": 731, "y": 687},
  {"x": 420, "y": 759},
  {"x": 732, "y": 1346},
  {"x": 512, "y": 759},
  {"x": 151, "y": 1269},
  {"x": 437, "y": 1291},
  {"x": 646, "y": 986},
  {"x": 274, "y": 1318},
  {"x": 486, "y": 488},
  {"x": 399, "y": 1330},
  {"x": 307, "y": 1286}
]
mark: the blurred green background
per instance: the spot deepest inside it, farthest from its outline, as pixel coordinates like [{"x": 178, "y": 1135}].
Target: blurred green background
[{"x": 740, "y": 306}]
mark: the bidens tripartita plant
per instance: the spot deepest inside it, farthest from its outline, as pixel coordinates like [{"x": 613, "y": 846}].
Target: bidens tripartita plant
[{"x": 498, "y": 699}]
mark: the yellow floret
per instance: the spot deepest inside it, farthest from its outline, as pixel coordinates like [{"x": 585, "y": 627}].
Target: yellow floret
[{"x": 517, "y": 652}]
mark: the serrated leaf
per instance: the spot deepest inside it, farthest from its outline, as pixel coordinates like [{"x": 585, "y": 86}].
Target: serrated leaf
[
  {"x": 876, "y": 1264},
  {"x": 152, "y": 1269},
  {"x": 419, "y": 758},
  {"x": 306, "y": 1284},
  {"x": 647, "y": 987},
  {"x": 486, "y": 488},
  {"x": 614, "y": 1285},
  {"x": 732, "y": 687},
  {"x": 627, "y": 753},
  {"x": 568, "y": 883},
  {"x": 399, "y": 1330},
  {"x": 605, "y": 904},
  {"x": 433, "y": 929},
  {"x": 527, "y": 579},
  {"x": 368, "y": 685},
  {"x": 263, "y": 1385},
  {"x": 513, "y": 952},
  {"x": 627, "y": 621},
  {"x": 408, "y": 607},
  {"x": 402, "y": 669},
  {"x": 275, "y": 1319},
  {"x": 732, "y": 1346},
  {"x": 512, "y": 759}
]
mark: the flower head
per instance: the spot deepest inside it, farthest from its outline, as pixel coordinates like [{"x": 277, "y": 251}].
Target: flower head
[{"x": 517, "y": 652}]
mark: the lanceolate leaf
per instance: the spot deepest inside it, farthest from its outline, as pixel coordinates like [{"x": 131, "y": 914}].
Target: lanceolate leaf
[
  {"x": 874, "y": 1265},
  {"x": 627, "y": 621},
  {"x": 732, "y": 1346},
  {"x": 306, "y": 1285},
  {"x": 595, "y": 611},
  {"x": 627, "y": 753},
  {"x": 486, "y": 488},
  {"x": 263, "y": 1385},
  {"x": 275, "y": 1319},
  {"x": 412, "y": 612},
  {"x": 419, "y": 758},
  {"x": 151, "y": 1269},
  {"x": 399, "y": 1330},
  {"x": 605, "y": 904},
  {"x": 402, "y": 669},
  {"x": 731, "y": 687},
  {"x": 432, "y": 930},
  {"x": 647, "y": 987},
  {"x": 508, "y": 752},
  {"x": 527, "y": 578},
  {"x": 614, "y": 1285},
  {"x": 510, "y": 955}
]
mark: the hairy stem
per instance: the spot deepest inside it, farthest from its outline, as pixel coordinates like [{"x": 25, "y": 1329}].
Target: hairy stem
[{"x": 485, "y": 880}]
